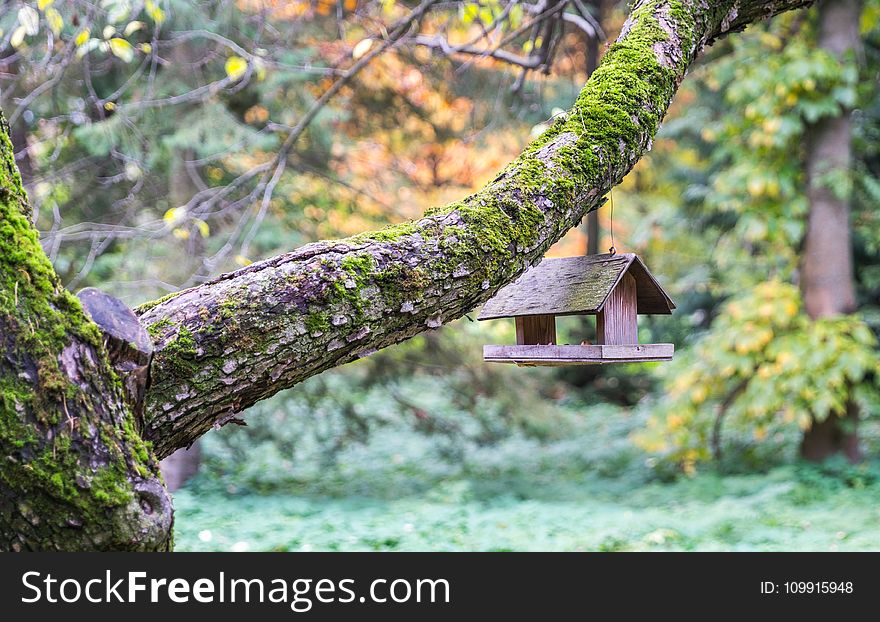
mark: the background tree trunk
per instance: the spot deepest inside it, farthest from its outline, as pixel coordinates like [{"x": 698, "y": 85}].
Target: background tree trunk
[{"x": 827, "y": 275}]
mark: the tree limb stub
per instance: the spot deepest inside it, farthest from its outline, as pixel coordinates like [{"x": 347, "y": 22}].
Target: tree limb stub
[{"x": 224, "y": 345}]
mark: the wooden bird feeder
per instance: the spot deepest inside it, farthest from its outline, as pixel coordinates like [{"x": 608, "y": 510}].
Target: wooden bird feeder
[{"x": 614, "y": 288}]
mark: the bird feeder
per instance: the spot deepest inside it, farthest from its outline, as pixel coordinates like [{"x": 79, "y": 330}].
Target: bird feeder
[{"x": 614, "y": 288}]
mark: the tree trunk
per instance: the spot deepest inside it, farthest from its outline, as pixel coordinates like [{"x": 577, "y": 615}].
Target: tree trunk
[
  {"x": 77, "y": 473},
  {"x": 827, "y": 274}
]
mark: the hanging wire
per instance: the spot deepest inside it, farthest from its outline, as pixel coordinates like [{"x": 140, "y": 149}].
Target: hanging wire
[{"x": 613, "y": 250}]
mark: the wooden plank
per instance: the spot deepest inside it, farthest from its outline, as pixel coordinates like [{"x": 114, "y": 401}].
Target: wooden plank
[
  {"x": 572, "y": 285},
  {"x": 617, "y": 323},
  {"x": 536, "y": 329},
  {"x": 555, "y": 356}
]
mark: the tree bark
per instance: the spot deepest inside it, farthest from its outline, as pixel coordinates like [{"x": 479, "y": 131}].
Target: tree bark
[
  {"x": 77, "y": 473},
  {"x": 827, "y": 272}
]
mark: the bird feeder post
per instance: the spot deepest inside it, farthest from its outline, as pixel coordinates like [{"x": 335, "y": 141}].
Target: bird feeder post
[{"x": 535, "y": 329}]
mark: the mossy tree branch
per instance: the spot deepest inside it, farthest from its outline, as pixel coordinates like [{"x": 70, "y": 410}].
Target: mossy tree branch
[{"x": 227, "y": 344}]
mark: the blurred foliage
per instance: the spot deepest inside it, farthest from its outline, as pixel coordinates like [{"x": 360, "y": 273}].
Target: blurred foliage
[
  {"x": 763, "y": 366},
  {"x": 592, "y": 490},
  {"x": 719, "y": 209}
]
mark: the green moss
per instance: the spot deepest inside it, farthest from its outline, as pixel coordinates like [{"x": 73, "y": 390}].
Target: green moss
[
  {"x": 179, "y": 353},
  {"x": 153, "y": 303},
  {"x": 389, "y": 233},
  {"x": 317, "y": 322},
  {"x": 227, "y": 309},
  {"x": 157, "y": 329}
]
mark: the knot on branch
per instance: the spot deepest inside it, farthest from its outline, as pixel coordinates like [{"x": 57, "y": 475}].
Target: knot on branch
[{"x": 128, "y": 344}]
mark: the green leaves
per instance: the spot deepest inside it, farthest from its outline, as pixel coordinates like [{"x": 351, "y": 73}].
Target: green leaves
[{"x": 763, "y": 366}]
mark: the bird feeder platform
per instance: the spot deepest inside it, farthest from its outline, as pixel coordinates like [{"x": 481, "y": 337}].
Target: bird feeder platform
[{"x": 614, "y": 288}]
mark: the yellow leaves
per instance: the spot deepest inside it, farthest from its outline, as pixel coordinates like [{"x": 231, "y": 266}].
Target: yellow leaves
[
  {"x": 154, "y": 11},
  {"x": 28, "y": 26},
  {"x": 756, "y": 187},
  {"x": 674, "y": 422},
  {"x": 256, "y": 114},
  {"x": 180, "y": 224},
  {"x": 785, "y": 357},
  {"x": 109, "y": 106},
  {"x": 174, "y": 215},
  {"x": 361, "y": 48},
  {"x": 55, "y": 21},
  {"x": 242, "y": 261},
  {"x": 202, "y": 226},
  {"x": 699, "y": 394},
  {"x": 82, "y": 37},
  {"x": 16, "y": 39},
  {"x": 235, "y": 67},
  {"x": 132, "y": 27},
  {"x": 766, "y": 310},
  {"x": 122, "y": 49},
  {"x": 42, "y": 4},
  {"x": 771, "y": 126}
]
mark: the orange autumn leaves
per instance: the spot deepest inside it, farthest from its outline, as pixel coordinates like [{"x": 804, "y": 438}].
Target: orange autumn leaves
[{"x": 280, "y": 9}]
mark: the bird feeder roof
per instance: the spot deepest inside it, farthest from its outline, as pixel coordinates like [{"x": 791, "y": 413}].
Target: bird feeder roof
[{"x": 577, "y": 285}]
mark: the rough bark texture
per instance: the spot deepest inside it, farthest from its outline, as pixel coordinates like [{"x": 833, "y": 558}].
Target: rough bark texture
[
  {"x": 827, "y": 275},
  {"x": 225, "y": 345},
  {"x": 77, "y": 475},
  {"x": 75, "y": 472}
]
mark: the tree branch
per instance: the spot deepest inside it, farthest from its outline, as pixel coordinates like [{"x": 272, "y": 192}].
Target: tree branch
[{"x": 226, "y": 344}]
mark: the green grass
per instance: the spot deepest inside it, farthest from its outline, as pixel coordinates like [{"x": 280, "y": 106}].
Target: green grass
[
  {"x": 791, "y": 508},
  {"x": 299, "y": 477}
]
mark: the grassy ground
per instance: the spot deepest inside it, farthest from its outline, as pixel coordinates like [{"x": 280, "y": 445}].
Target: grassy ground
[{"x": 790, "y": 508}]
